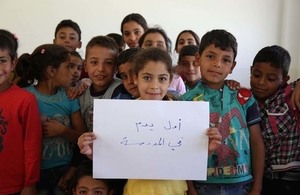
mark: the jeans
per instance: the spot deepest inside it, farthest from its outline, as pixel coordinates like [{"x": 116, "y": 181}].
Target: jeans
[{"x": 223, "y": 189}]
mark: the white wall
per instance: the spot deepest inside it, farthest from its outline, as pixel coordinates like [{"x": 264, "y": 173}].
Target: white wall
[{"x": 255, "y": 23}]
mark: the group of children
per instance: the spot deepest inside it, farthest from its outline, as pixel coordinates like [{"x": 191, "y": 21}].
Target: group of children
[{"x": 254, "y": 138}]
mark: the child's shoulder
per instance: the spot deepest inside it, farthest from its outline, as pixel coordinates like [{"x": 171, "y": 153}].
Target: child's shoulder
[{"x": 15, "y": 93}]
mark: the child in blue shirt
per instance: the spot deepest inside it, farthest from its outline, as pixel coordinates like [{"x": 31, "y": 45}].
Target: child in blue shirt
[{"x": 239, "y": 162}]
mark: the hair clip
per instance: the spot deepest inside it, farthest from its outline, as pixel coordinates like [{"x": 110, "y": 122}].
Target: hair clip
[{"x": 42, "y": 51}]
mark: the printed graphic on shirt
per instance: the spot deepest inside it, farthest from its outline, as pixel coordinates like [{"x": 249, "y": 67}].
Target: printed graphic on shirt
[
  {"x": 56, "y": 147},
  {"x": 3, "y": 128}
]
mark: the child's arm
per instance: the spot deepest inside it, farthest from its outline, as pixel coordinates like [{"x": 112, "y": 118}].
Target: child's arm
[
  {"x": 85, "y": 143},
  {"x": 257, "y": 157},
  {"x": 295, "y": 99},
  {"x": 74, "y": 92},
  {"x": 29, "y": 190},
  {"x": 52, "y": 127},
  {"x": 191, "y": 188},
  {"x": 214, "y": 141}
]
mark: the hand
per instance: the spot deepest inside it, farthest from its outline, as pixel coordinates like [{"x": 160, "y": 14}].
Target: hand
[
  {"x": 52, "y": 128},
  {"x": 84, "y": 84},
  {"x": 29, "y": 190},
  {"x": 295, "y": 99},
  {"x": 85, "y": 144},
  {"x": 64, "y": 180},
  {"x": 215, "y": 139},
  {"x": 232, "y": 84},
  {"x": 72, "y": 92}
]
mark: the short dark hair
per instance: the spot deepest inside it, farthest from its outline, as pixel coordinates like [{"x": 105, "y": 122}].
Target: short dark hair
[
  {"x": 152, "y": 54},
  {"x": 9, "y": 41},
  {"x": 127, "y": 55},
  {"x": 188, "y": 50},
  {"x": 220, "y": 38},
  {"x": 276, "y": 55},
  {"x": 103, "y": 41},
  {"x": 86, "y": 169},
  {"x": 68, "y": 23},
  {"x": 136, "y": 17},
  {"x": 76, "y": 54},
  {"x": 118, "y": 38}
]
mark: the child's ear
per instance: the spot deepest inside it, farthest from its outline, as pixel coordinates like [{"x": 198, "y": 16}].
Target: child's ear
[
  {"x": 13, "y": 63},
  {"x": 197, "y": 59},
  {"x": 232, "y": 67},
  {"x": 50, "y": 71},
  {"x": 135, "y": 79},
  {"x": 84, "y": 65},
  {"x": 79, "y": 45}
]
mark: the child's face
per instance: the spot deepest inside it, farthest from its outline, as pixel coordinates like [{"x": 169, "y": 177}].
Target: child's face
[
  {"x": 185, "y": 39},
  {"x": 68, "y": 38},
  {"x": 215, "y": 65},
  {"x": 154, "y": 40},
  {"x": 153, "y": 81},
  {"x": 126, "y": 74},
  {"x": 132, "y": 32},
  {"x": 76, "y": 68},
  {"x": 89, "y": 186},
  {"x": 265, "y": 80},
  {"x": 62, "y": 76},
  {"x": 100, "y": 66},
  {"x": 7, "y": 65},
  {"x": 190, "y": 70}
]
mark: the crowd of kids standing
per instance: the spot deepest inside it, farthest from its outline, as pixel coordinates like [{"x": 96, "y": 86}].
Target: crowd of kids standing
[{"x": 46, "y": 110}]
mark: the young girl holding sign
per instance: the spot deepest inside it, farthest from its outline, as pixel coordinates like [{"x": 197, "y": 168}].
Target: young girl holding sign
[{"x": 153, "y": 75}]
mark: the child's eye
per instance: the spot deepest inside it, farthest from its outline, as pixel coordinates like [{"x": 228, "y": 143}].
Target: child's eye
[
  {"x": 209, "y": 56},
  {"x": 161, "y": 46},
  {"x": 148, "y": 44},
  {"x": 181, "y": 42},
  {"x": 185, "y": 63},
  {"x": 62, "y": 37},
  {"x": 98, "y": 192},
  {"x": 79, "y": 67},
  {"x": 163, "y": 79},
  {"x": 226, "y": 60},
  {"x": 3, "y": 60},
  {"x": 94, "y": 62},
  {"x": 110, "y": 63},
  {"x": 123, "y": 76},
  {"x": 82, "y": 192},
  {"x": 126, "y": 34},
  {"x": 137, "y": 32},
  {"x": 256, "y": 75},
  {"x": 71, "y": 65},
  {"x": 191, "y": 42},
  {"x": 271, "y": 79},
  {"x": 147, "y": 78}
]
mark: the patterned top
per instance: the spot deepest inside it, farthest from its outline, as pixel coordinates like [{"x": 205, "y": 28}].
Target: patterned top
[
  {"x": 56, "y": 150},
  {"x": 281, "y": 131},
  {"x": 232, "y": 112}
]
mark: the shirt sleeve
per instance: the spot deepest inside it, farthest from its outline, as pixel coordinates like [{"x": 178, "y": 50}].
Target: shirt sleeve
[{"x": 32, "y": 141}]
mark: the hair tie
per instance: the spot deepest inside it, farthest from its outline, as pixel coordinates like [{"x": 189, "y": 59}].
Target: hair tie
[{"x": 43, "y": 51}]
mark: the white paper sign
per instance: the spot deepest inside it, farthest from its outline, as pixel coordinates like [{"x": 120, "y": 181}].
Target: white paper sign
[{"x": 143, "y": 139}]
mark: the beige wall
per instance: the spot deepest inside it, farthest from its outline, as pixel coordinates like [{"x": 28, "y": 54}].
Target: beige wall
[{"x": 255, "y": 23}]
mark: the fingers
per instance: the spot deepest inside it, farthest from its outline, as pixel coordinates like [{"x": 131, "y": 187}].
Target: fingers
[{"x": 85, "y": 142}]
